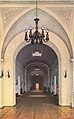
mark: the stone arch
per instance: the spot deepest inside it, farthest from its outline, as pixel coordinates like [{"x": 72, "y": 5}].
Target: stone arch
[
  {"x": 53, "y": 47},
  {"x": 59, "y": 53},
  {"x": 56, "y": 50},
  {"x": 49, "y": 15}
]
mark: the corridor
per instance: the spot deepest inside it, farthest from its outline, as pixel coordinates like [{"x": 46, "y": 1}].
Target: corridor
[{"x": 36, "y": 105}]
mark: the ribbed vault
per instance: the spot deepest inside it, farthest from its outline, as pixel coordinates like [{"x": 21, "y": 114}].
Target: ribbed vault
[{"x": 46, "y": 20}]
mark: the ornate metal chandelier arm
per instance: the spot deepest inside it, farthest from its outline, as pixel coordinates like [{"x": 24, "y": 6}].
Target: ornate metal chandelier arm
[
  {"x": 30, "y": 33},
  {"x": 47, "y": 37},
  {"x": 32, "y": 42},
  {"x": 43, "y": 32},
  {"x": 26, "y": 37}
]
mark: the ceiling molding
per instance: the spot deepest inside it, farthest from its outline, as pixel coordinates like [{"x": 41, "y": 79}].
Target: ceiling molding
[{"x": 39, "y": 2}]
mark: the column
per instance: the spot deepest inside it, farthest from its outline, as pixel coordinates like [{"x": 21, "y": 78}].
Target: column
[
  {"x": 46, "y": 80},
  {"x": 22, "y": 85},
  {"x": 25, "y": 82},
  {"x": 1, "y": 84},
  {"x": 55, "y": 91},
  {"x": 28, "y": 84},
  {"x": 30, "y": 81},
  {"x": 72, "y": 82},
  {"x": 51, "y": 87},
  {"x": 48, "y": 77},
  {"x": 72, "y": 67},
  {"x": 19, "y": 92}
]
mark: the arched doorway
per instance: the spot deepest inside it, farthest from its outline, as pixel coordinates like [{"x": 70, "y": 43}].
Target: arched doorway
[
  {"x": 36, "y": 82},
  {"x": 61, "y": 70},
  {"x": 37, "y": 70},
  {"x": 62, "y": 61}
]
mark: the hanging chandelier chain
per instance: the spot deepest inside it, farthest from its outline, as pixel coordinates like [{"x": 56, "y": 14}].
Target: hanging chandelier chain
[
  {"x": 36, "y": 37},
  {"x": 36, "y": 8}
]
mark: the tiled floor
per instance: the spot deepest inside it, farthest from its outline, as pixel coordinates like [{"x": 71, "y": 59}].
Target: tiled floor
[{"x": 36, "y": 105}]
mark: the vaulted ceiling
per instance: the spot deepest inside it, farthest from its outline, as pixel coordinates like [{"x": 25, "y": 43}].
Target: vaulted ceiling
[
  {"x": 46, "y": 20},
  {"x": 25, "y": 56}
]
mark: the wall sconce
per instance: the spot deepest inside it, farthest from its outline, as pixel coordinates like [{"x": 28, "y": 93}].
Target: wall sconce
[
  {"x": 2, "y": 74},
  {"x": 8, "y": 74},
  {"x": 65, "y": 74}
]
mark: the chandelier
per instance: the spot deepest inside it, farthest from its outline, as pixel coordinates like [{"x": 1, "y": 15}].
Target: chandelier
[{"x": 36, "y": 37}]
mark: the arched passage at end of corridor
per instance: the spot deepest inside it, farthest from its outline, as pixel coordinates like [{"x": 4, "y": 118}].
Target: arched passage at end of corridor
[
  {"x": 30, "y": 64},
  {"x": 39, "y": 73}
]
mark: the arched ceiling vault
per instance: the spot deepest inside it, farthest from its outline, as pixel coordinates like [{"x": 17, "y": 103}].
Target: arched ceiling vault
[
  {"x": 37, "y": 73},
  {"x": 38, "y": 68},
  {"x": 46, "y": 20},
  {"x": 38, "y": 65},
  {"x": 25, "y": 57}
]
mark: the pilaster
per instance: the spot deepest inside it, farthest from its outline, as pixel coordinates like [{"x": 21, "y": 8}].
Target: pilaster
[
  {"x": 72, "y": 82},
  {"x": 1, "y": 84}
]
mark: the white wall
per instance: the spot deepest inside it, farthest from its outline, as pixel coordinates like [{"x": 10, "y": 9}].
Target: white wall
[{"x": 9, "y": 96}]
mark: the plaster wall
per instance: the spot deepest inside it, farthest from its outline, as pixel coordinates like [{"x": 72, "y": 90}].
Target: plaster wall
[
  {"x": 7, "y": 85},
  {"x": 64, "y": 97}
]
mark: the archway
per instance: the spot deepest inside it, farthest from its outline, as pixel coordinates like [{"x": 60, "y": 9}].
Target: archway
[
  {"x": 36, "y": 82},
  {"x": 23, "y": 22},
  {"x": 61, "y": 69},
  {"x": 62, "y": 65},
  {"x": 30, "y": 50},
  {"x": 36, "y": 66}
]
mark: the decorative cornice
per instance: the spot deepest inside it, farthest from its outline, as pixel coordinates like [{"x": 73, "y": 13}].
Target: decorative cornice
[
  {"x": 9, "y": 13},
  {"x": 64, "y": 13},
  {"x": 39, "y": 2}
]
